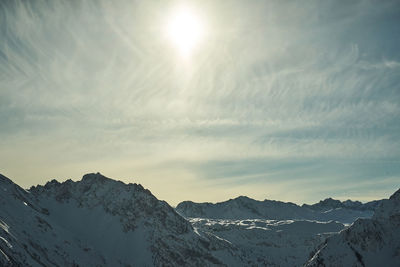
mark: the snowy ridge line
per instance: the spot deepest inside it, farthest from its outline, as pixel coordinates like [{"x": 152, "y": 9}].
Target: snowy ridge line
[
  {"x": 246, "y": 208},
  {"x": 98, "y": 221}
]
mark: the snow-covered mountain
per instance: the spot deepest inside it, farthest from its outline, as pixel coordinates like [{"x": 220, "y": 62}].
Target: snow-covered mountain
[
  {"x": 245, "y": 208},
  {"x": 269, "y": 242},
  {"x": 367, "y": 242},
  {"x": 98, "y": 221},
  {"x": 271, "y": 233}
]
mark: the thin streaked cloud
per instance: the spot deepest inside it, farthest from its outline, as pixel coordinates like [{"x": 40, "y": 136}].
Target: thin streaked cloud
[{"x": 274, "y": 89}]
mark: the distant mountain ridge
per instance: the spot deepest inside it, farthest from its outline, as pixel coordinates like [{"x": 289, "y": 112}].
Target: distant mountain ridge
[
  {"x": 244, "y": 207},
  {"x": 98, "y": 221},
  {"x": 330, "y": 203}
]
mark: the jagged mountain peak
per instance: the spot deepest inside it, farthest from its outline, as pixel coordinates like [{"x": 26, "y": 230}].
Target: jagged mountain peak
[
  {"x": 327, "y": 203},
  {"x": 96, "y": 221},
  {"x": 330, "y": 200},
  {"x": 330, "y": 203},
  {"x": 131, "y": 202},
  {"x": 90, "y": 182},
  {"x": 94, "y": 177},
  {"x": 98, "y": 178},
  {"x": 240, "y": 200},
  {"x": 352, "y": 204},
  {"x": 243, "y": 198}
]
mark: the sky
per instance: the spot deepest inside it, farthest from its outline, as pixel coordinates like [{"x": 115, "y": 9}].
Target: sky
[{"x": 287, "y": 100}]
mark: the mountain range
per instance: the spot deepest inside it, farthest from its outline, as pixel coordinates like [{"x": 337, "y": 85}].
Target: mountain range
[
  {"x": 244, "y": 208},
  {"x": 98, "y": 221}
]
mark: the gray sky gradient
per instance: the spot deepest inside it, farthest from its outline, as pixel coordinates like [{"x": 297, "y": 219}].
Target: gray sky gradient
[{"x": 287, "y": 100}]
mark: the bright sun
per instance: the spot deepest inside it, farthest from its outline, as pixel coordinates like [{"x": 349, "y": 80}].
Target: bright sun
[{"x": 185, "y": 30}]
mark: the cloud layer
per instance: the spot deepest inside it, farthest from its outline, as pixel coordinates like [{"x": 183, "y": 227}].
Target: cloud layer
[{"x": 293, "y": 101}]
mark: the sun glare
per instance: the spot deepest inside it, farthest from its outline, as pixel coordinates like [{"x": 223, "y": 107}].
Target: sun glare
[{"x": 185, "y": 30}]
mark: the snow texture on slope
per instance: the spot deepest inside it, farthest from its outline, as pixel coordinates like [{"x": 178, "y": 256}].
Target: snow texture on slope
[
  {"x": 367, "y": 242},
  {"x": 94, "y": 222},
  {"x": 269, "y": 242}
]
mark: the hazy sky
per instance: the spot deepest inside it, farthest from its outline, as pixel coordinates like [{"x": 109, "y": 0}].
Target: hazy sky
[{"x": 286, "y": 100}]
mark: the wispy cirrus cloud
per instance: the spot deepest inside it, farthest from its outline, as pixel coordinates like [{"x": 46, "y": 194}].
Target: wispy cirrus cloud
[{"x": 93, "y": 85}]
